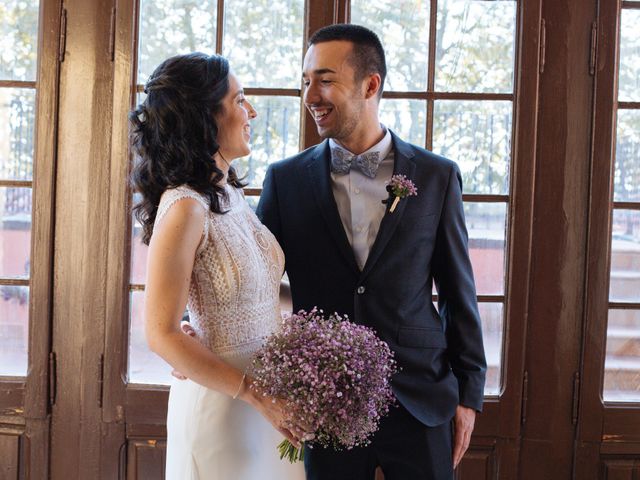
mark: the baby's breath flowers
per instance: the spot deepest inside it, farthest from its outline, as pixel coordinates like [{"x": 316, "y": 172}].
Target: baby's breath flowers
[
  {"x": 335, "y": 375},
  {"x": 399, "y": 187}
]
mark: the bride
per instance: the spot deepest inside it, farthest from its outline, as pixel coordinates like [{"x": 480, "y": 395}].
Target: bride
[{"x": 208, "y": 251}]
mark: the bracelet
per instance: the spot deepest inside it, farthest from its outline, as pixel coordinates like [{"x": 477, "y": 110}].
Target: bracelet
[{"x": 244, "y": 375}]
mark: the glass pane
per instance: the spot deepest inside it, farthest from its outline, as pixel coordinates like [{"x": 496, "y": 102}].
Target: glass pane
[
  {"x": 403, "y": 28},
  {"x": 138, "y": 266},
  {"x": 18, "y": 39},
  {"x": 252, "y": 201},
  {"x": 627, "y": 173},
  {"x": 476, "y": 135},
  {"x": 140, "y": 97},
  {"x": 475, "y": 46},
  {"x": 629, "y": 73},
  {"x": 263, "y": 41},
  {"x": 15, "y": 232},
  {"x": 171, "y": 27},
  {"x": 17, "y": 122},
  {"x": 144, "y": 365},
  {"x": 492, "y": 327},
  {"x": 14, "y": 330},
  {"x": 275, "y": 134},
  {"x": 487, "y": 224},
  {"x": 625, "y": 256},
  {"x": 406, "y": 118},
  {"x": 622, "y": 363},
  {"x": 138, "y": 251}
]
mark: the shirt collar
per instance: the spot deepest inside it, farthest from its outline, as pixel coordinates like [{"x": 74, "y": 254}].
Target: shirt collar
[{"x": 383, "y": 146}]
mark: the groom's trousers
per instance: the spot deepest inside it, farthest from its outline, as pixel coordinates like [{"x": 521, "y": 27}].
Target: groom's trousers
[{"x": 403, "y": 447}]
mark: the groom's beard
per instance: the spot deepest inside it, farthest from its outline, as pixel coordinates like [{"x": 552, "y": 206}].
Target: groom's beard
[
  {"x": 344, "y": 121},
  {"x": 341, "y": 129}
]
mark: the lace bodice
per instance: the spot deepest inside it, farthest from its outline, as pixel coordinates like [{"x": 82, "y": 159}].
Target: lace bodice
[{"x": 234, "y": 291}]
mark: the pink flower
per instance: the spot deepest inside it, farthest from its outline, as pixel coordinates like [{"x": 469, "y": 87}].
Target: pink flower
[{"x": 400, "y": 186}]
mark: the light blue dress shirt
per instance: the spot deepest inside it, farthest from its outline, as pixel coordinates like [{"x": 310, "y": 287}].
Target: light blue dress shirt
[{"x": 359, "y": 199}]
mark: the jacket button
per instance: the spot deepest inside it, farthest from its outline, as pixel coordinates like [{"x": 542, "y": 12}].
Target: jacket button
[{"x": 360, "y": 290}]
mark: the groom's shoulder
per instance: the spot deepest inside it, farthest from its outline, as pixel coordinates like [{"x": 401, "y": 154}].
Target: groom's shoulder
[{"x": 424, "y": 158}]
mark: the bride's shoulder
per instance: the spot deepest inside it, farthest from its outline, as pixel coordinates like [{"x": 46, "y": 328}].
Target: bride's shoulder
[{"x": 173, "y": 196}]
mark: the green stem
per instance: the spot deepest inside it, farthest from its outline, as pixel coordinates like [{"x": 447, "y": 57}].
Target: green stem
[{"x": 292, "y": 453}]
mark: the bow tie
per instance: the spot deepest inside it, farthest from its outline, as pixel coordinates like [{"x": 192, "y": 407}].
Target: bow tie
[{"x": 342, "y": 161}]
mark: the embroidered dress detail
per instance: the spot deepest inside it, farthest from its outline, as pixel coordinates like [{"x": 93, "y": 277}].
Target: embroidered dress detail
[{"x": 234, "y": 291}]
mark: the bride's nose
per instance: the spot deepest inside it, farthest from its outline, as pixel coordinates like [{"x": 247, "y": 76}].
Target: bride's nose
[{"x": 252, "y": 111}]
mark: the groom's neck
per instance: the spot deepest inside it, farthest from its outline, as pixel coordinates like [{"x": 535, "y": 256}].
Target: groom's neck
[{"x": 363, "y": 138}]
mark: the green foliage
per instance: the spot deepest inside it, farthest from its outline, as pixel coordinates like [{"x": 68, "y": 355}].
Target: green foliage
[
  {"x": 629, "y": 73},
  {"x": 627, "y": 167},
  {"x": 274, "y": 136},
  {"x": 18, "y": 35},
  {"x": 475, "y": 46},
  {"x": 17, "y": 114},
  {"x": 18, "y": 59},
  {"x": 172, "y": 27},
  {"x": 263, "y": 41},
  {"x": 477, "y": 135},
  {"x": 407, "y": 118},
  {"x": 403, "y": 28}
]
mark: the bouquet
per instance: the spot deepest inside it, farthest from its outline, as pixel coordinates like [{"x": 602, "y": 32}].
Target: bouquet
[{"x": 335, "y": 374}]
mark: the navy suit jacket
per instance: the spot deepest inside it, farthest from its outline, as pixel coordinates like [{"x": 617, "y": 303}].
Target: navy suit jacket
[{"x": 439, "y": 351}]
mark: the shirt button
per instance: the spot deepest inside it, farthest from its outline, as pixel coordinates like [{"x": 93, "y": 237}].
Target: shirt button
[
  {"x": 358, "y": 229},
  {"x": 357, "y": 191},
  {"x": 360, "y": 290}
]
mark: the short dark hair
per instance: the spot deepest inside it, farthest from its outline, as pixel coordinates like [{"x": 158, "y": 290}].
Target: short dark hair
[{"x": 368, "y": 54}]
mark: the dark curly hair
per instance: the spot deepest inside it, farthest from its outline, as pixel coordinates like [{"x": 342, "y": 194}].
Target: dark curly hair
[{"x": 173, "y": 133}]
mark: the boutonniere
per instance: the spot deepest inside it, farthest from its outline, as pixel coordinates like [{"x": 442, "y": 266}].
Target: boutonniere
[{"x": 399, "y": 187}]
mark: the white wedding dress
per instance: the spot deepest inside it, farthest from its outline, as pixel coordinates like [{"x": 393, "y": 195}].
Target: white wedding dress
[{"x": 233, "y": 306}]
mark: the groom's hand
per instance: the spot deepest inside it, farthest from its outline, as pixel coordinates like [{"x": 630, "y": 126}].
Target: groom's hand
[
  {"x": 188, "y": 329},
  {"x": 464, "y": 422}
]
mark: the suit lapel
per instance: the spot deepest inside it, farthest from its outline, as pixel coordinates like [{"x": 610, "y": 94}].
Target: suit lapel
[
  {"x": 320, "y": 179},
  {"x": 403, "y": 165}
]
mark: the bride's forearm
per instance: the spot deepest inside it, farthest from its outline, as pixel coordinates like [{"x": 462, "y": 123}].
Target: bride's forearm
[{"x": 196, "y": 362}]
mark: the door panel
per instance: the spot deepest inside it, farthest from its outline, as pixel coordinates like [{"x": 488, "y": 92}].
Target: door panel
[
  {"x": 25, "y": 399},
  {"x": 608, "y": 437}
]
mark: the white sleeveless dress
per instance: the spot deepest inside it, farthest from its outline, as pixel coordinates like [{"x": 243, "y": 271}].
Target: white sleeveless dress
[{"x": 233, "y": 306}]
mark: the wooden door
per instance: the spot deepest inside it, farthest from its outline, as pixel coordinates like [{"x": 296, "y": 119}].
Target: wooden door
[
  {"x": 608, "y": 438},
  {"x": 537, "y": 128}
]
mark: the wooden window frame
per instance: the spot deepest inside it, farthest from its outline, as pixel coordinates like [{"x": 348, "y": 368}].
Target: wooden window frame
[
  {"x": 25, "y": 402},
  {"x": 608, "y": 432},
  {"x": 515, "y": 430}
]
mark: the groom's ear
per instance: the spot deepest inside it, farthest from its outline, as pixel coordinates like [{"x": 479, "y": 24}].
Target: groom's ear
[{"x": 373, "y": 85}]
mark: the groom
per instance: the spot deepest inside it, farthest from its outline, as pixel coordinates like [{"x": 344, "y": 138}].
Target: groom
[{"x": 347, "y": 252}]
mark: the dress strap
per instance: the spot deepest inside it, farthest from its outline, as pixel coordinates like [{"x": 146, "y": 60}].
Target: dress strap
[{"x": 171, "y": 196}]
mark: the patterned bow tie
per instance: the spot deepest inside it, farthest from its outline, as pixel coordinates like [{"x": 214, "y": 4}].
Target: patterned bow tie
[{"x": 343, "y": 161}]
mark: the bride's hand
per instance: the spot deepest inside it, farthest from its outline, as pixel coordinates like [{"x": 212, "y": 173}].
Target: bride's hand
[{"x": 278, "y": 413}]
